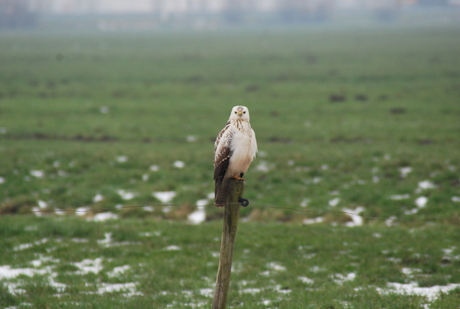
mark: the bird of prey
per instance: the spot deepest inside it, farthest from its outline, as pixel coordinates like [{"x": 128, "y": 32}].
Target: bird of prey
[{"x": 234, "y": 150}]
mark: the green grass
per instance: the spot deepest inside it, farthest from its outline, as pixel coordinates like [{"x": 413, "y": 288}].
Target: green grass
[
  {"x": 400, "y": 109},
  {"x": 337, "y": 115},
  {"x": 265, "y": 268}
]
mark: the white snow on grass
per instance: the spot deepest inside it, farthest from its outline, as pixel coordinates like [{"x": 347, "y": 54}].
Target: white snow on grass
[
  {"x": 357, "y": 220},
  {"x": 275, "y": 266},
  {"x": 81, "y": 211},
  {"x": 37, "y": 173},
  {"x": 314, "y": 220},
  {"x": 107, "y": 239},
  {"x": 122, "y": 159},
  {"x": 128, "y": 288},
  {"x": 207, "y": 292},
  {"x": 426, "y": 184},
  {"x": 6, "y": 272},
  {"x": 179, "y": 164},
  {"x": 37, "y": 211},
  {"x": 263, "y": 167},
  {"x": 334, "y": 202},
  {"x": 99, "y": 197},
  {"x": 154, "y": 168},
  {"x": 191, "y": 138},
  {"x": 398, "y": 197},
  {"x": 405, "y": 170},
  {"x": 340, "y": 279},
  {"x": 60, "y": 212},
  {"x": 421, "y": 201},
  {"x": 2, "y": 180},
  {"x": 89, "y": 266},
  {"x": 42, "y": 204},
  {"x": 252, "y": 291},
  {"x": 199, "y": 215},
  {"x": 27, "y": 246},
  {"x": 413, "y": 289},
  {"x": 148, "y": 208},
  {"x": 305, "y": 202},
  {"x": 117, "y": 271},
  {"x": 172, "y": 248},
  {"x": 104, "y": 216},
  {"x": 456, "y": 199},
  {"x": 306, "y": 280},
  {"x": 165, "y": 196},
  {"x": 391, "y": 221},
  {"x": 126, "y": 195}
]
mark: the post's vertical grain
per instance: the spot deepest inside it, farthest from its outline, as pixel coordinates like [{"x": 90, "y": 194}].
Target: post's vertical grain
[{"x": 235, "y": 190}]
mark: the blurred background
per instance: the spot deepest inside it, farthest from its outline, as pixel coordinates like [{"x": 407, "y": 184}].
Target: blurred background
[{"x": 113, "y": 15}]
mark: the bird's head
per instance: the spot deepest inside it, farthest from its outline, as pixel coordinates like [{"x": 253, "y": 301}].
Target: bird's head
[{"x": 240, "y": 113}]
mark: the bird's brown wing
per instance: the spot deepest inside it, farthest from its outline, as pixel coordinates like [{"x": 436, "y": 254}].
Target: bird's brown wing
[{"x": 221, "y": 161}]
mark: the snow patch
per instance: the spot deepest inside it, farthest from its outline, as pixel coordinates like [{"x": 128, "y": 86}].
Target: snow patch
[
  {"x": 421, "y": 201},
  {"x": 398, "y": 197},
  {"x": 314, "y": 220},
  {"x": 42, "y": 204},
  {"x": 306, "y": 280},
  {"x": 425, "y": 185},
  {"x": 334, "y": 202},
  {"x": 37, "y": 173},
  {"x": 263, "y": 167},
  {"x": 81, "y": 211},
  {"x": 179, "y": 164},
  {"x": 275, "y": 266},
  {"x": 99, "y": 197},
  {"x": 207, "y": 292},
  {"x": 89, "y": 266},
  {"x": 126, "y": 195},
  {"x": 165, "y": 196},
  {"x": 104, "y": 216},
  {"x": 118, "y": 271},
  {"x": 128, "y": 288},
  {"x": 412, "y": 289},
  {"x": 122, "y": 159},
  {"x": 340, "y": 279},
  {"x": 354, "y": 214},
  {"x": 172, "y": 248}
]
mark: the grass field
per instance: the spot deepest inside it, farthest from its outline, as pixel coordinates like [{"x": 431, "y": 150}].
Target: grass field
[{"x": 347, "y": 122}]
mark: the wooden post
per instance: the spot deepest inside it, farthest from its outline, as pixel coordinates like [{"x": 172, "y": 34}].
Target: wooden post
[{"x": 235, "y": 190}]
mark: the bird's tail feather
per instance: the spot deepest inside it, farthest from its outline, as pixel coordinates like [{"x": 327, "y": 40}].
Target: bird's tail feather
[{"x": 220, "y": 197}]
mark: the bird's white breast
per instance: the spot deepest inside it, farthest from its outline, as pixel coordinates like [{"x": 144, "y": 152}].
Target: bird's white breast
[{"x": 243, "y": 147}]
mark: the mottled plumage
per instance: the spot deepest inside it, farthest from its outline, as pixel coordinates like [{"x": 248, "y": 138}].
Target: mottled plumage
[{"x": 234, "y": 150}]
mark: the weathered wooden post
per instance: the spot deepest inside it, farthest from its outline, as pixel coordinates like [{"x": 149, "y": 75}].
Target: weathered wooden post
[{"x": 234, "y": 189}]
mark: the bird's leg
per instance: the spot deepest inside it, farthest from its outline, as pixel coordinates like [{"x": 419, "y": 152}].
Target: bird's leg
[{"x": 240, "y": 177}]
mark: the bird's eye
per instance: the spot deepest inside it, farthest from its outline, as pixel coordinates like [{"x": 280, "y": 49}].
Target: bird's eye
[
  {"x": 244, "y": 112},
  {"x": 235, "y": 112}
]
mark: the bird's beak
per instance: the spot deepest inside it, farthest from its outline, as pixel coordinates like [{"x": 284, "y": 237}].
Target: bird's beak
[{"x": 240, "y": 113}]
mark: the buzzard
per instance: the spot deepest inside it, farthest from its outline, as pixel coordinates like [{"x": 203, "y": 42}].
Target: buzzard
[{"x": 234, "y": 150}]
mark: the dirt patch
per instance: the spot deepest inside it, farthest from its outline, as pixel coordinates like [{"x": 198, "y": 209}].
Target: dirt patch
[
  {"x": 77, "y": 137},
  {"x": 337, "y": 98}
]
